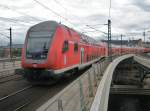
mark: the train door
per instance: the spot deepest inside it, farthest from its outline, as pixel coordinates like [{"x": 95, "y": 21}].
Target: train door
[{"x": 82, "y": 55}]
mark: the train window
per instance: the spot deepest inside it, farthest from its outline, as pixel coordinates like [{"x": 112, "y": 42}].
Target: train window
[
  {"x": 75, "y": 47},
  {"x": 65, "y": 46}
]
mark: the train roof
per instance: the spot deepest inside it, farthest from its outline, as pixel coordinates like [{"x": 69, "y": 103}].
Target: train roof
[{"x": 46, "y": 26}]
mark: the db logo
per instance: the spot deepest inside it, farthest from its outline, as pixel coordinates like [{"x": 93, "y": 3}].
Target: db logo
[{"x": 34, "y": 65}]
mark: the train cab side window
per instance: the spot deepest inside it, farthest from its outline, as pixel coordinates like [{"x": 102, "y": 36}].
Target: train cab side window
[
  {"x": 75, "y": 47},
  {"x": 65, "y": 46}
]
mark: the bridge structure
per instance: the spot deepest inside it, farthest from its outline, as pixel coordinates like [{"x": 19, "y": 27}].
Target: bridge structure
[{"x": 90, "y": 92}]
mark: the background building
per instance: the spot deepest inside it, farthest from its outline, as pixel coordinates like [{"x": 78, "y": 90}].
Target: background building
[
  {"x": 16, "y": 50},
  {"x": 129, "y": 43}
]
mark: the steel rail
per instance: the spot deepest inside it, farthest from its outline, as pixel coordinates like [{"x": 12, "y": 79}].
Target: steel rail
[
  {"x": 7, "y": 80},
  {"x": 14, "y": 93},
  {"x": 22, "y": 106},
  {"x": 8, "y": 75}
]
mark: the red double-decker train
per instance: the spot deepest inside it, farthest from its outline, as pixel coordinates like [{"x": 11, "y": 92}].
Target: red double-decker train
[{"x": 51, "y": 49}]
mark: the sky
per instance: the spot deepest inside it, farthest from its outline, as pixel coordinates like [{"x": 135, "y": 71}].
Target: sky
[{"x": 129, "y": 17}]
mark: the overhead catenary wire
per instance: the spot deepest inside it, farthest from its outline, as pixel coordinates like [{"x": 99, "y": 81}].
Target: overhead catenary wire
[
  {"x": 98, "y": 25},
  {"x": 52, "y": 11},
  {"x": 96, "y": 29},
  {"x": 4, "y": 35},
  {"x": 57, "y": 14},
  {"x": 57, "y": 2},
  {"x": 3, "y": 41},
  {"x": 79, "y": 19},
  {"x": 61, "y": 5},
  {"x": 44, "y": 6},
  {"x": 89, "y": 31},
  {"x": 22, "y": 13},
  {"x": 109, "y": 15},
  {"x": 15, "y": 21}
]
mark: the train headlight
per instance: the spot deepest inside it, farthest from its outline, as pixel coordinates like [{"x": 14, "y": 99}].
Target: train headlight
[
  {"x": 29, "y": 56},
  {"x": 43, "y": 56},
  {"x": 35, "y": 65}
]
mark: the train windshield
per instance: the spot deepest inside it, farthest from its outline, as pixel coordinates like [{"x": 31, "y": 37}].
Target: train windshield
[
  {"x": 38, "y": 44},
  {"x": 39, "y": 39}
]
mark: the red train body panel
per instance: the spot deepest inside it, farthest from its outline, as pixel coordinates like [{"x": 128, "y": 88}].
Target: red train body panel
[
  {"x": 59, "y": 59},
  {"x": 57, "y": 48}
]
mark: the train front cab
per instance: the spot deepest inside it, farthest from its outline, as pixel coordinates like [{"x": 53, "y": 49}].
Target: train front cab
[{"x": 40, "y": 50}]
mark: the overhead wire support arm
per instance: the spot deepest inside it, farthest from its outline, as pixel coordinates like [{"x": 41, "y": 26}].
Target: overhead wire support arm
[
  {"x": 97, "y": 24},
  {"x": 97, "y": 30}
]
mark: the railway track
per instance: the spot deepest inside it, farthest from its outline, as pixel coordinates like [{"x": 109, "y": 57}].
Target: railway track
[
  {"x": 31, "y": 97},
  {"x": 14, "y": 93},
  {"x": 8, "y": 75},
  {"x": 10, "y": 78},
  {"x": 20, "y": 107}
]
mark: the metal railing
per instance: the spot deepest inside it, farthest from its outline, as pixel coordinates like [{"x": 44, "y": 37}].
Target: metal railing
[
  {"x": 100, "y": 102},
  {"x": 78, "y": 96}
]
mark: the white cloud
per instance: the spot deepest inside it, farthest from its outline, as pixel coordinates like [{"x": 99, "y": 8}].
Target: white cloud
[{"x": 126, "y": 15}]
